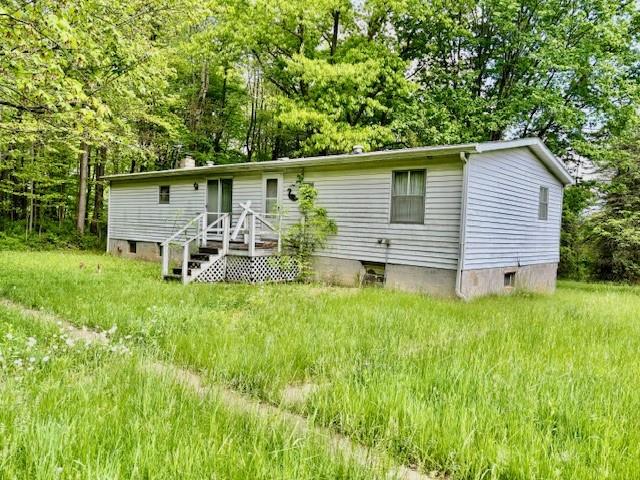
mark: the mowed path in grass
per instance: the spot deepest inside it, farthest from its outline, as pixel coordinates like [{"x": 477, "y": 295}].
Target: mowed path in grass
[
  {"x": 69, "y": 409},
  {"x": 521, "y": 387}
]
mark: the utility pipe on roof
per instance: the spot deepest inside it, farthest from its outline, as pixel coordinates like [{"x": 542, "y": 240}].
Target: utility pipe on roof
[{"x": 463, "y": 222}]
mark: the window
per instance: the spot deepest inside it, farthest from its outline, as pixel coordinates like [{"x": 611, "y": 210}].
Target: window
[
  {"x": 510, "y": 279},
  {"x": 164, "y": 196},
  {"x": 407, "y": 196},
  {"x": 133, "y": 247},
  {"x": 271, "y": 195},
  {"x": 543, "y": 203}
]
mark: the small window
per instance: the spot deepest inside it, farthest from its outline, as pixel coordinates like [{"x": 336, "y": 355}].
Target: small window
[
  {"x": 133, "y": 247},
  {"x": 407, "y": 196},
  {"x": 165, "y": 194},
  {"x": 543, "y": 203},
  {"x": 510, "y": 279},
  {"x": 271, "y": 196}
]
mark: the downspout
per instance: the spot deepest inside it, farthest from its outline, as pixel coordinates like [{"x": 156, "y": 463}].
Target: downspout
[
  {"x": 109, "y": 219},
  {"x": 463, "y": 223}
]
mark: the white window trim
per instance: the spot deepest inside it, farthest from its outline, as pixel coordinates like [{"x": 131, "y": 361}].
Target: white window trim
[
  {"x": 269, "y": 176},
  {"x": 390, "y": 206},
  {"x": 540, "y": 203}
]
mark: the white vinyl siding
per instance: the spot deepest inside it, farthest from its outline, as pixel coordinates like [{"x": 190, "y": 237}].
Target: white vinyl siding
[
  {"x": 503, "y": 207},
  {"x": 359, "y": 200},
  {"x": 135, "y": 214}
]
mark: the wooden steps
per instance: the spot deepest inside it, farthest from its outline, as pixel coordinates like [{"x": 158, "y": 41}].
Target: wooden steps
[
  {"x": 241, "y": 246},
  {"x": 196, "y": 261}
]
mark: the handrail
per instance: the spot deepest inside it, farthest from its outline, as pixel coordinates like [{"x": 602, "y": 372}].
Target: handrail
[
  {"x": 250, "y": 229},
  {"x": 201, "y": 233},
  {"x": 207, "y": 228},
  {"x": 245, "y": 208},
  {"x": 183, "y": 229},
  {"x": 246, "y": 223}
]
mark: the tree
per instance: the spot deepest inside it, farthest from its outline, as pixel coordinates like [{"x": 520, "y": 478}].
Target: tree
[
  {"x": 558, "y": 69},
  {"x": 615, "y": 229}
]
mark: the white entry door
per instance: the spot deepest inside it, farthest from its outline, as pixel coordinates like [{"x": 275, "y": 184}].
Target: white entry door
[{"x": 271, "y": 192}]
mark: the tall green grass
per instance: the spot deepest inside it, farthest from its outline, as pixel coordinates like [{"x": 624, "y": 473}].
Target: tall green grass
[
  {"x": 526, "y": 386},
  {"x": 82, "y": 412}
]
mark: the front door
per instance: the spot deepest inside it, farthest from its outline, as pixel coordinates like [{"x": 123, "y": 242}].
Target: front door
[
  {"x": 271, "y": 193},
  {"x": 219, "y": 197}
]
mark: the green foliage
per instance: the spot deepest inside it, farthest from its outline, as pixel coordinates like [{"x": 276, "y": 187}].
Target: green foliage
[
  {"x": 52, "y": 237},
  {"x": 615, "y": 229},
  {"x": 576, "y": 251},
  {"x": 312, "y": 230}
]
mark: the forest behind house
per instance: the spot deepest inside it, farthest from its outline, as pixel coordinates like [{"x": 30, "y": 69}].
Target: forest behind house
[{"x": 96, "y": 87}]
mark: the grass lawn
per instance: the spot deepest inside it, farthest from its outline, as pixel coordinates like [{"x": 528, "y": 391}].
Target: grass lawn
[
  {"x": 521, "y": 387},
  {"x": 72, "y": 411}
]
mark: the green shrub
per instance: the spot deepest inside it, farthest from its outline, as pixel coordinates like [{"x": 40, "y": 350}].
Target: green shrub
[{"x": 311, "y": 231}]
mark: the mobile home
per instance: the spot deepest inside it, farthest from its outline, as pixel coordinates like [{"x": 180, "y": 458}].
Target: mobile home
[{"x": 455, "y": 220}]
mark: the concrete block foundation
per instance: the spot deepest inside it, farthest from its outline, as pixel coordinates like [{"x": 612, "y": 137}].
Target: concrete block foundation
[
  {"x": 144, "y": 250},
  {"x": 433, "y": 281},
  {"x": 486, "y": 281}
]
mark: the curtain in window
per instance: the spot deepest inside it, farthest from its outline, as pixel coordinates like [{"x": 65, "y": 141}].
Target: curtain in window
[{"x": 407, "y": 202}]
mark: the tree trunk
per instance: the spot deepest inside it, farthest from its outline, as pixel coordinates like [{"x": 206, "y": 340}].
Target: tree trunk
[
  {"x": 336, "y": 30},
  {"x": 82, "y": 188},
  {"x": 217, "y": 139},
  {"x": 101, "y": 159}
]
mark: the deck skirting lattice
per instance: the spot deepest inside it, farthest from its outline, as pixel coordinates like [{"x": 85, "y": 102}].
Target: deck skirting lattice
[
  {"x": 236, "y": 268},
  {"x": 216, "y": 272}
]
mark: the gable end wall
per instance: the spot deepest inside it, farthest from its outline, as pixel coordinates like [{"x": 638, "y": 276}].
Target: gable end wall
[{"x": 502, "y": 227}]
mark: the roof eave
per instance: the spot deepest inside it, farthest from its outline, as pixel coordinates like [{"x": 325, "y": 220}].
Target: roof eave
[{"x": 405, "y": 154}]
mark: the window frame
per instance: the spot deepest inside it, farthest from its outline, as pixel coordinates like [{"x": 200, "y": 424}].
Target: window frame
[
  {"x": 391, "y": 195},
  {"x": 161, "y": 200},
  {"x": 543, "y": 203},
  {"x": 279, "y": 177}
]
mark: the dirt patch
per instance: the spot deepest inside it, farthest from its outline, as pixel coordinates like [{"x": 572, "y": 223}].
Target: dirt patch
[
  {"x": 82, "y": 334},
  {"x": 299, "y": 393}
]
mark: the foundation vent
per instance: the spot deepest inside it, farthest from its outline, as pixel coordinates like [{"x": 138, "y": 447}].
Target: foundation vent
[
  {"x": 373, "y": 275},
  {"x": 510, "y": 279}
]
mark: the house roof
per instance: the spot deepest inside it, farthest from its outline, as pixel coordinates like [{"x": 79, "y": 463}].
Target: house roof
[{"x": 534, "y": 144}]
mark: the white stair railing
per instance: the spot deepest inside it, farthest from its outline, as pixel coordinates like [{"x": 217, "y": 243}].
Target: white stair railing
[
  {"x": 248, "y": 224},
  {"x": 202, "y": 235},
  {"x": 254, "y": 226}
]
